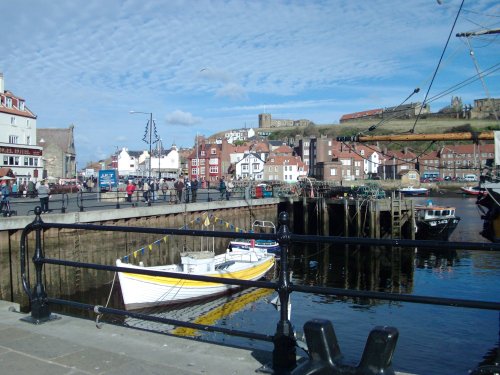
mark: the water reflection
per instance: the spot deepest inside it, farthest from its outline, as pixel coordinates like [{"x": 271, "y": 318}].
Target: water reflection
[
  {"x": 441, "y": 259},
  {"x": 356, "y": 267}
]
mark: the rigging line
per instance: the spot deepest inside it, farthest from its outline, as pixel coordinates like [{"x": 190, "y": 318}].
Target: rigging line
[
  {"x": 476, "y": 65},
  {"x": 437, "y": 68},
  {"x": 394, "y": 110},
  {"x": 465, "y": 82}
]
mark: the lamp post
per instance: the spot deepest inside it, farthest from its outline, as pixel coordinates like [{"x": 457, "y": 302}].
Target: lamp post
[{"x": 150, "y": 131}]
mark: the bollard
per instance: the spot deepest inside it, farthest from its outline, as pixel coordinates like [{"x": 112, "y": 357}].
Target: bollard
[
  {"x": 40, "y": 310},
  {"x": 379, "y": 349},
  {"x": 284, "y": 353},
  {"x": 325, "y": 356}
]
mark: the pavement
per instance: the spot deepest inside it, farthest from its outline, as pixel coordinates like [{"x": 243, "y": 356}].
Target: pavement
[{"x": 74, "y": 346}]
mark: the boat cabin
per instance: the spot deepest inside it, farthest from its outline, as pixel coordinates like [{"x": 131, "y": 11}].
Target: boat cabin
[{"x": 434, "y": 212}]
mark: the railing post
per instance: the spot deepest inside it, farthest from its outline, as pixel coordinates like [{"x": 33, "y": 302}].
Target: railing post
[
  {"x": 79, "y": 200},
  {"x": 284, "y": 353},
  {"x": 117, "y": 197},
  {"x": 40, "y": 311}
]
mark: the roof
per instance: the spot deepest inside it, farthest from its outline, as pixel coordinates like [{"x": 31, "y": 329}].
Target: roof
[
  {"x": 6, "y": 171},
  {"x": 284, "y": 160},
  {"x": 358, "y": 115},
  {"x": 61, "y": 137},
  {"x": 14, "y": 110}
]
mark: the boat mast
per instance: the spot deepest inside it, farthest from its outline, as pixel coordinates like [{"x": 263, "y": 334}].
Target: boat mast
[{"x": 476, "y": 65}]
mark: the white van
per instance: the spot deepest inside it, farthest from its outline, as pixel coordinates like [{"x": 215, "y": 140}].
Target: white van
[{"x": 470, "y": 177}]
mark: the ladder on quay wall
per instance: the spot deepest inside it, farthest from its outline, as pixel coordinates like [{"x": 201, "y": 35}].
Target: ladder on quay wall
[{"x": 395, "y": 216}]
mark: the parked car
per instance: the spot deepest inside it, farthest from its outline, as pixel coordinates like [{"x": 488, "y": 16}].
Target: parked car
[{"x": 470, "y": 178}]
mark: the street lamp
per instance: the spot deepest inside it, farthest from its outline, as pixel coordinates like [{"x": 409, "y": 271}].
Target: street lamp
[{"x": 150, "y": 131}]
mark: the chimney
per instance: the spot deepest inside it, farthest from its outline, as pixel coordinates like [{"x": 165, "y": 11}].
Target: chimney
[{"x": 1, "y": 83}]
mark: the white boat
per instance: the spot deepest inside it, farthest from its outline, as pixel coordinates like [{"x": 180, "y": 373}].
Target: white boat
[
  {"x": 410, "y": 190},
  {"x": 259, "y": 246},
  {"x": 143, "y": 290}
]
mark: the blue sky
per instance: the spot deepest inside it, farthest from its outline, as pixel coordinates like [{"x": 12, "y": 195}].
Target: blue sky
[{"x": 205, "y": 66}]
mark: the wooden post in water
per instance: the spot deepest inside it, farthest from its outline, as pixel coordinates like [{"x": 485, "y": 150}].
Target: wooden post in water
[
  {"x": 373, "y": 224},
  {"x": 305, "y": 211},
  {"x": 377, "y": 219},
  {"x": 346, "y": 217},
  {"x": 326, "y": 218},
  {"x": 358, "y": 219}
]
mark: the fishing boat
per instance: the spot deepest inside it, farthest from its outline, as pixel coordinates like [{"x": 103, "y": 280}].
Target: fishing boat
[
  {"x": 435, "y": 222},
  {"x": 473, "y": 190},
  {"x": 140, "y": 291},
  {"x": 259, "y": 246},
  {"x": 413, "y": 191}
]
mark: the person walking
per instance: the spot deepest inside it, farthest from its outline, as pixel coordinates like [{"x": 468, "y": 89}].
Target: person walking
[
  {"x": 164, "y": 189},
  {"x": 5, "y": 202},
  {"x": 145, "y": 191},
  {"x": 179, "y": 187},
  {"x": 222, "y": 188},
  {"x": 43, "y": 194},
  {"x": 194, "y": 189},
  {"x": 130, "y": 190},
  {"x": 187, "y": 186},
  {"x": 14, "y": 189},
  {"x": 229, "y": 189}
]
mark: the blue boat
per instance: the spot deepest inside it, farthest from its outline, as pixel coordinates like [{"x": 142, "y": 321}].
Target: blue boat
[{"x": 413, "y": 191}]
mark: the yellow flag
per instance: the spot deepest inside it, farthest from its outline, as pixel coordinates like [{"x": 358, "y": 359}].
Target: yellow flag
[
  {"x": 227, "y": 225},
  {"x": 150, "y": 247},
  {"x": 135, "y": 254},
  {"x": 207, "y": 221},
  {"x": 165, "y": 239}
]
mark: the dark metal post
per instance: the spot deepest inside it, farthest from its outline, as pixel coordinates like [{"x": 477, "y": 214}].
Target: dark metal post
[
  {"x": 117, "y": 197},
  {"x": 40, "y": 311},
  {"x": 80, "y": 201},
  {"x": 284, "y": 353}
]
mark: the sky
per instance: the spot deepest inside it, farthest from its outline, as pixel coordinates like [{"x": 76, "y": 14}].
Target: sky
[{"x": 202, "y": 67}]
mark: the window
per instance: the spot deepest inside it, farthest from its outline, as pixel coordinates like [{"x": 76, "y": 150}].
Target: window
[
  {"x": 214, "y": 169},
  {"x": 244, "y": 167},
  {"x": 9, "y": 103},
  {"x": 357, "y": 164},
  {"x": 28, "y": 139},
  {"x": 13, "y": 139},
  {"x": 194, "y": 162},
  {"x": 12, "y": 120},
  {"x": 213, "y": 151},
  {"x": 333, "y": 171},
  {"x": 194, "y": 171},
  {"x": 21, "y": 105}
]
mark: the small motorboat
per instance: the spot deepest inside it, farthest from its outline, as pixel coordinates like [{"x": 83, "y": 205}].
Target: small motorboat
[
  {"x": 435, "y": 222},
  {"x": 140, "y": 291},
  {"x": 259, "y": 246},
  {"x": 473, "y": 190},
  {"x": 413, "y": 191}
]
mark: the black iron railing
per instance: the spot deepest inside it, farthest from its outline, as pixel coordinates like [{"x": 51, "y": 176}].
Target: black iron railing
[{"x": 323, "y": 350}]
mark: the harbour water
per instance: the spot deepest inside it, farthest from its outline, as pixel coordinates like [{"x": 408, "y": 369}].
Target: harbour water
[{"x": 432, "y": 339}]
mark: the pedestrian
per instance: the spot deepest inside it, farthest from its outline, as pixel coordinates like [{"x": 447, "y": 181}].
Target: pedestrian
[
  {"x": 164, "y": 189},
  {"x": 22, "y": 190},
  {"x": 229, "y": 188},
  {"x": 14, "y": 189},
  {"x": 179, "y": 187},
  {"x": 43, "y": 194},
  {"x": 194, "y": 189},
  {"x": 5, "y": 202},
  {"x": 31, "y": 189},
  {"x": 155, "y": 188},
  {"x": 222, "y": 188},
  {"x": 145, "y": 191},
  {"x": 171, "y": 190},
  {"x": 187, "y": 186},
  {"x": 130, "y": 190}
]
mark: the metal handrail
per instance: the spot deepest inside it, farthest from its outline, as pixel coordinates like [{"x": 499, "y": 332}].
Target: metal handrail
[{"x": 284, "y": 353}]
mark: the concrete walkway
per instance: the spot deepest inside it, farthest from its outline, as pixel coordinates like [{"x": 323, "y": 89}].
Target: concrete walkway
[{"x": 75, "y": 346}]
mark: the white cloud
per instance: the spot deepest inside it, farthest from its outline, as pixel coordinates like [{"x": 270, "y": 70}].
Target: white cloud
[
  {"x": 182, "y": 118},
  {"x": 230, "y": 56}
]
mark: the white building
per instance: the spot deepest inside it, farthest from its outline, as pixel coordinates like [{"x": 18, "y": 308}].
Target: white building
[
  {"x": 133, "y": 163},
  {"x": 371, "y": 162},
  {"x": 250, "y": 167},
  {"x": 18, "y": 149},
  {"x": 239, "y": 135}
]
